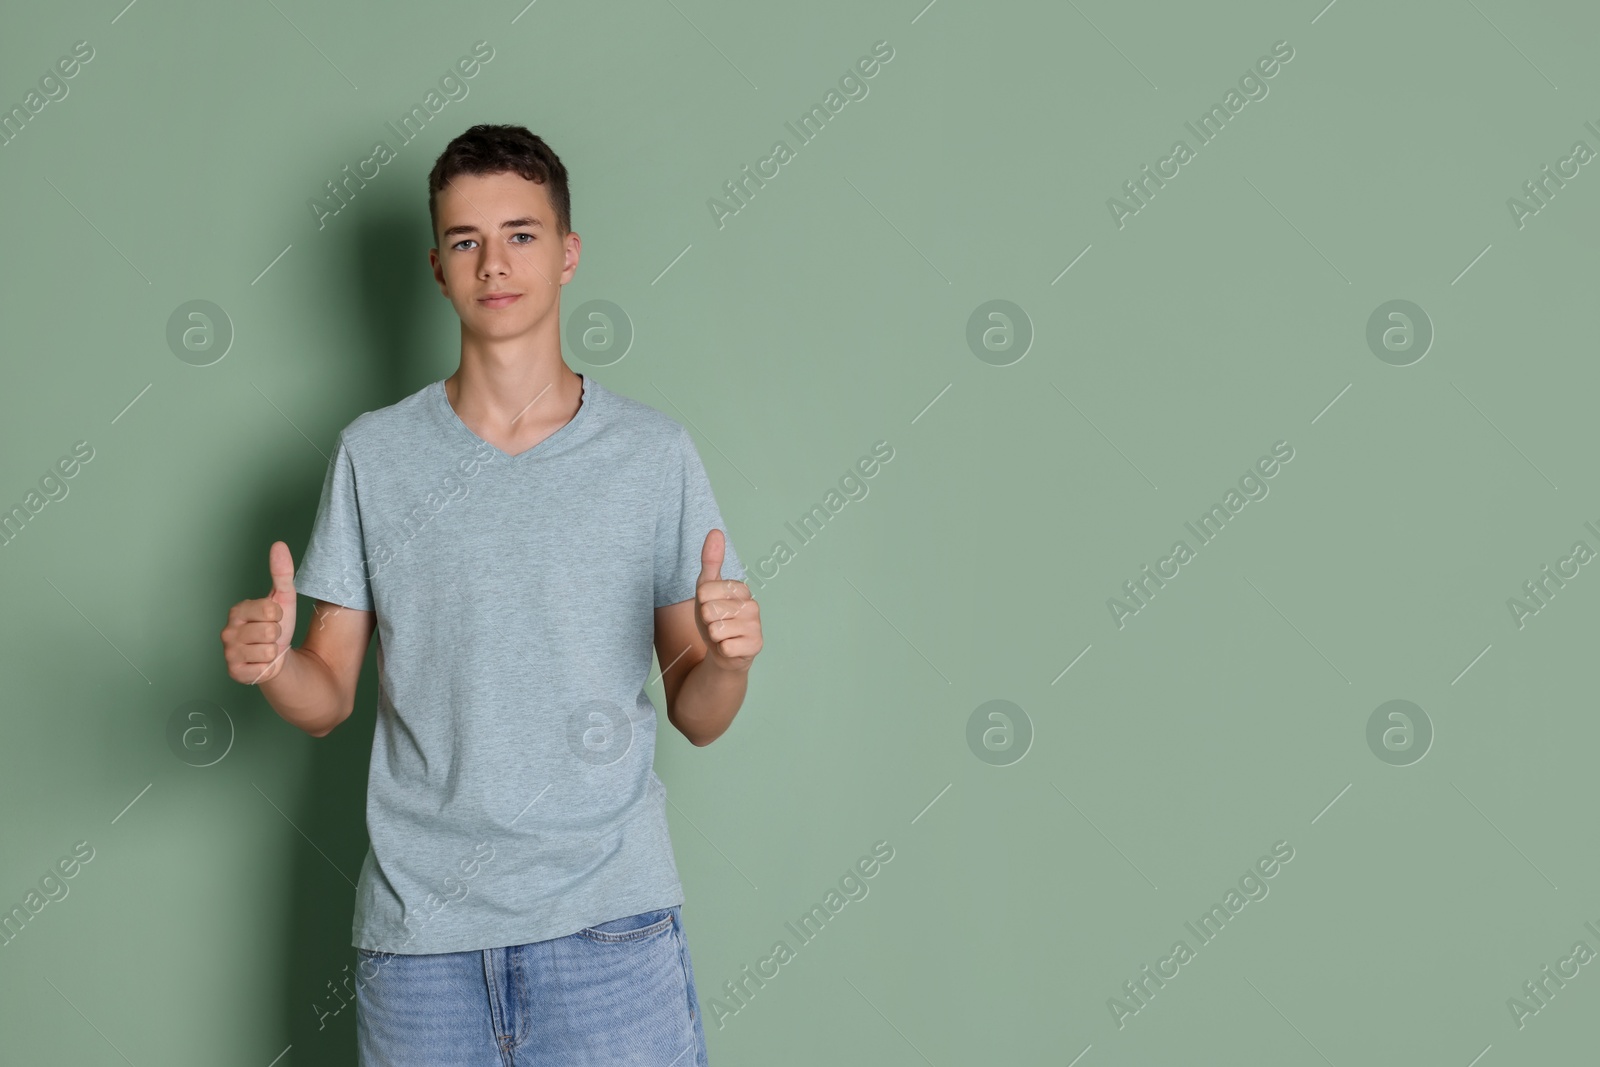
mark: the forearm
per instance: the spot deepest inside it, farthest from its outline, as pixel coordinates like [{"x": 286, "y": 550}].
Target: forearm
[
  {"x": 305, "y": 693},
  {"x": 707, "y": 701}
]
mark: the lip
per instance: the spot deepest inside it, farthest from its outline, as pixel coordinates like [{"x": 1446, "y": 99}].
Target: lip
[{"x": 499, "y": 300}]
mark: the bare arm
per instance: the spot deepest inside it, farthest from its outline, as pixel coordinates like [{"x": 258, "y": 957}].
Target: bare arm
[
  {"x": 316, "y": 689},
  {"x": 702, "y": 699},
  {"x": 706, "y": 646},
  {"x": 314, "y": 686}
]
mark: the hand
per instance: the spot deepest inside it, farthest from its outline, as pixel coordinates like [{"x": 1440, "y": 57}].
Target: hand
[
  {"x": 256, "y": 640},
  {"x": 726, "y": 614}
]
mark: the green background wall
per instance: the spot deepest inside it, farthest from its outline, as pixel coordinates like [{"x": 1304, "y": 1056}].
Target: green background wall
[{"x": 1441, "y": 859}]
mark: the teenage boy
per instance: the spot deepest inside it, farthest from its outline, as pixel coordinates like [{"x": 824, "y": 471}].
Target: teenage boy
[{"x": 519, "y": 536}]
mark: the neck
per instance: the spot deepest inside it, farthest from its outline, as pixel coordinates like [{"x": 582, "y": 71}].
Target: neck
[{"x": 509, "y": 396}]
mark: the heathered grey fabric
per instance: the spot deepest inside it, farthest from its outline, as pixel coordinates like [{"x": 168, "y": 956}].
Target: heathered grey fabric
[{"x": 512, "y": 795}]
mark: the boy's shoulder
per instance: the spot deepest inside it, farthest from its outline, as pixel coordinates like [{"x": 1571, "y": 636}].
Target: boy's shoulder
[
  {"x": 612, "y": 413},
  {"x": 382, "y": 424},
  {"x": 624, "y": 414}
]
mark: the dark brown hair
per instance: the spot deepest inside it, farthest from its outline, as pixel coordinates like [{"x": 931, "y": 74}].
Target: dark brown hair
[{"x": 499, "y": 149}]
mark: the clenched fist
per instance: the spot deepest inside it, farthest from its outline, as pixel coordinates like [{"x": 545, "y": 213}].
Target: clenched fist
[{"x": 256, "y": 639}]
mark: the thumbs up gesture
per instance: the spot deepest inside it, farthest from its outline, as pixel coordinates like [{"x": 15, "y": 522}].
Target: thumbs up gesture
[
  {"x": 259, "y": 631},
  {"x": 726, "y": 614}
]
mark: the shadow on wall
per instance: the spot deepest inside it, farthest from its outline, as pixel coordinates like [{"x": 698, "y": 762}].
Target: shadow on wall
[{"x": 392, "y": 303}]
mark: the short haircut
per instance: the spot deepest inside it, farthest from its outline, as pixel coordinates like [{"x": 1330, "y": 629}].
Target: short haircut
[{"x": 501, "y": 149}]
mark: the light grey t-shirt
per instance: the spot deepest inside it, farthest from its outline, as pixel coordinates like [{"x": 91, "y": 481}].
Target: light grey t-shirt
[{"x": 512, "y": 795}]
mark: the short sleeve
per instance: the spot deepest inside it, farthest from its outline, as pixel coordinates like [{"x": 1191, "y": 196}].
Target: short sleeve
[
  {"x": 333, "y": 567},
  {"x": 686, "y": 514}
]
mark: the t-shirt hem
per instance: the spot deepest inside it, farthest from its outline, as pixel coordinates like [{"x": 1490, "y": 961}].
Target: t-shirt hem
[
  {"x": 687, "y": 590},
  {"x": 318, "y": 591},
  {"x": 501, "y": 935},
  {"x": 680, "y": 594}
]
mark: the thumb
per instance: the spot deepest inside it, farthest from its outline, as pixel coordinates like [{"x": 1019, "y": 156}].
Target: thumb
[
  {"x": 281, "y": 565},
  {"x": 711, "y": 556}
]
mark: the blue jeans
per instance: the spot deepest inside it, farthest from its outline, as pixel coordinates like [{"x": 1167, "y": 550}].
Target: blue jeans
[{"x": 620, "y": 993}]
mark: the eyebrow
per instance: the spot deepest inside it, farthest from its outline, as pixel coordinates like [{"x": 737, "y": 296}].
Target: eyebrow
[{"x": 507, "y": 225}]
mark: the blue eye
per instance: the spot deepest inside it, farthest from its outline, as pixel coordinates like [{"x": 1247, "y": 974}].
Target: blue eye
[{"x": 457, "y": 246}]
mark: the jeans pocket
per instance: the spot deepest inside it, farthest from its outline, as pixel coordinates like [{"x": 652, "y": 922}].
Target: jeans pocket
[{"x": 630, "y": 927}]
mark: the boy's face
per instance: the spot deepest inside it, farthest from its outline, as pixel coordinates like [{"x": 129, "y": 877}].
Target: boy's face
[{"x": 497, "y": 234}]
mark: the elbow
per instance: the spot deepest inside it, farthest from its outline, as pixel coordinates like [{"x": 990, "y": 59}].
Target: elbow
[
  {"x": 698, "y": 740},
  {"x": 328, "y": 728},
  {"x": 701, "y": 740}
]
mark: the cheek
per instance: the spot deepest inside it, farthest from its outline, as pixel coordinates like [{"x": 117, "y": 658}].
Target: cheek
[{"x": 550, "y": 261}]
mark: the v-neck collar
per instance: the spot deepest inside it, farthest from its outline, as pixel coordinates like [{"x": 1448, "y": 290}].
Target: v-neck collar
[{"x": 441, "y": 400}]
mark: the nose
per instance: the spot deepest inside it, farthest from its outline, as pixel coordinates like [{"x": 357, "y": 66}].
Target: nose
[{"x": 496, "y": 261}]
